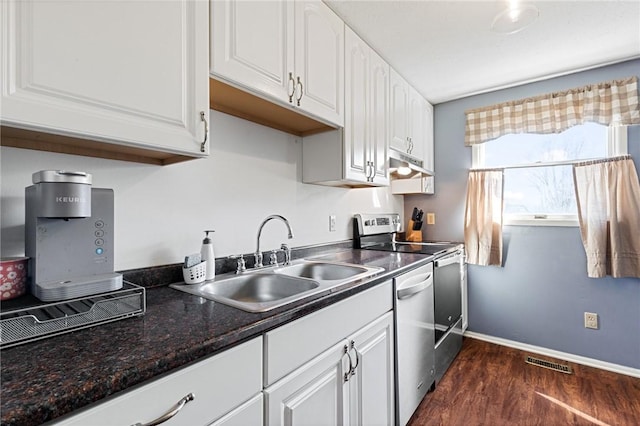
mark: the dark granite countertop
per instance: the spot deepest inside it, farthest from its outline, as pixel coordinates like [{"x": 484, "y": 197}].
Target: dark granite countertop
[{"x": 55, "y": 376}]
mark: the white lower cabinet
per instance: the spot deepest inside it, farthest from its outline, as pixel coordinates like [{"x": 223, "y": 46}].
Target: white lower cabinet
[
  {"x": 249, "y": 413},
  {"x": 332, "y": 367},
  {"x": 351, "y": 382},
  {"x": 371, "y": 388},
  {"x": 221, "y": 386},
  {"x": 316, "y": 393}
]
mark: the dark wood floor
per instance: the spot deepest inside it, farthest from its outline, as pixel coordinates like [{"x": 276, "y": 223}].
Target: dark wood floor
[{"x": 489, "y": 384}]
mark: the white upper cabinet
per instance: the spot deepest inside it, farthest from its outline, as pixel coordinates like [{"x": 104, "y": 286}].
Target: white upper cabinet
[
  {"x": 428, "y": 145},
  {"x": 380, "y": 119},
  {"x": 399, "y": 108},
  {"x": 128, "y": 73},
  {"x": 319, "y": 61},
  {"x": 411, "y": 121},
  {"x": 357, "y": 132},
  {"x": 289, "y": 52},
  {"x": 252, "y": 45},
  {"x": 417, "y": 123},
  {"x": 356, "y": 155}
]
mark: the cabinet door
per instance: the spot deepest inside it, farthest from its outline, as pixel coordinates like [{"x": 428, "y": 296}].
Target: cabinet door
[
  {"x": 358, "y": 164},
  {"x": 252, "y": 44},
  {"x": 428, "y": 153},
  {"x": 129, "y": 73},
  {"x": 379, "y": 123},
  {"x": 314, "y": 394},
  {"x": 294, "y": 344},
  {"x": 399, "y": 103},
  {"x": 371, "y": 387},
  {"x": 319, "y": 61},
  {"x": 417, "y": 118}
]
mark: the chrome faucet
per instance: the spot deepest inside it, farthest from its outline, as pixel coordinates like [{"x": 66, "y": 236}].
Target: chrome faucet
[{"x": 258, "y": 254}]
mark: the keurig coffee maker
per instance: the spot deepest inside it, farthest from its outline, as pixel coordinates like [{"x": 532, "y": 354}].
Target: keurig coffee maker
[{"x": 69, "y": 236}]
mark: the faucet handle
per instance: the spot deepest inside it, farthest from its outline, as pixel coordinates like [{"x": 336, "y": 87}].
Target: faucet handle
[
  {"x": 287, "y": 253},
  {"x": 241, "y": 266},
  {"x": 257, "y": 257},
  {"x": 273, "y": 258}
]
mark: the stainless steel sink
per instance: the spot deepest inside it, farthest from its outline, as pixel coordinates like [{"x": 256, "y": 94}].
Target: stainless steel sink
[
  {"x": 322, "y": 271},
  {"x": 270, "y": 288}
]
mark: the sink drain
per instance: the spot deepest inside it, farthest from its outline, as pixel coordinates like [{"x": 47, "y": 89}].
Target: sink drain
[{"x": 548, "y": 364}]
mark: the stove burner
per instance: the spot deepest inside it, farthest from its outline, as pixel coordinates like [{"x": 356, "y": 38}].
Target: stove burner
[{"x": 380, "y": 232}]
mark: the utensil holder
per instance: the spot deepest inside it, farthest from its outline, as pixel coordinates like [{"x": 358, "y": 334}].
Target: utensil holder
[{"x": 195, "y": 274}]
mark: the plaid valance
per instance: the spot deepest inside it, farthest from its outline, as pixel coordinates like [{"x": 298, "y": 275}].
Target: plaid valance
[{"x": 612, "y": 102}]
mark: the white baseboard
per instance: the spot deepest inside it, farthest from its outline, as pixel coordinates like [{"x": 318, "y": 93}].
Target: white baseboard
[{"x": 590, "y": 362}]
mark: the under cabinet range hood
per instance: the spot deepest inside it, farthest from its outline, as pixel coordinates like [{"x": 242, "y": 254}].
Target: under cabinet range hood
[
  {"x": 408, "y": 175},
  {"x": 404, "y": 166}
]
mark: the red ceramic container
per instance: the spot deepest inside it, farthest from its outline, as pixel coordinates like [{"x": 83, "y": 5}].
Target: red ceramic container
[{"x": 13, "y": 277}]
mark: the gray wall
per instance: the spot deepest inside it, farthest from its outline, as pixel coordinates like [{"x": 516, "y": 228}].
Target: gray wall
[{"x": 540, "y": 295}]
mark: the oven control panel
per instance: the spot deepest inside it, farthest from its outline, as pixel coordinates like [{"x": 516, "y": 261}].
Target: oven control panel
[{"x": 371, "y": 224}]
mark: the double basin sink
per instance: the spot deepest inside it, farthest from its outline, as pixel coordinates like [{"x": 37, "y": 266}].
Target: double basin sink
[{"x": 266, "y": 289}]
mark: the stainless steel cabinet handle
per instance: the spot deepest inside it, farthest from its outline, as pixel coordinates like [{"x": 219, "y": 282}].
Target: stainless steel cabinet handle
[
  {"x": 405, "y": 293},
  {"x": 347, "y": 375},
  {"x": 206, "y": 131},
  {"x": 293, "y": 88},
  {"x": 301, "y": 91},
  {"x": 169, "y": 414},
  {"x": 370, "y": 171},
  {"x": 353, "y": 369}
]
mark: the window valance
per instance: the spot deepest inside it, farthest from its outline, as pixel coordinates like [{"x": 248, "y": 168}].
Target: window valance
[{"x": 612, "y": 102}]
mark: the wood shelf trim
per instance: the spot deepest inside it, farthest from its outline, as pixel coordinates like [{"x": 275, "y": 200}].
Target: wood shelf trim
[
  {"x": 29, "y": 139},
  {"x": 239, "y": 103}
]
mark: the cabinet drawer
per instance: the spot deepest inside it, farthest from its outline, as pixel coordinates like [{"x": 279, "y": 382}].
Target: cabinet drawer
[
  {"x": 290, "y": 346},
  {"x": 219, "y": 384},
  {"x": 249, "y": 413}
]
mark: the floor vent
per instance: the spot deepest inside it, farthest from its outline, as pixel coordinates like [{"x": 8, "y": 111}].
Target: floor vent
[{"x": 548, "y": 364}]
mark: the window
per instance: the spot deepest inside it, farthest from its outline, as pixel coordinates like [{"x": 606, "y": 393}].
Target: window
[{"x": 538, "y": 176}]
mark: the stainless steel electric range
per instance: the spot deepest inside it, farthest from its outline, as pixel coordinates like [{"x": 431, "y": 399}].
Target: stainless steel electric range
[{"x": 441, "y": 313}]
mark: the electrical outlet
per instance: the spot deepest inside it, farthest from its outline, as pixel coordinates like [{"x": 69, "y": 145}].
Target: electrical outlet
[
  {"x": 431, "y": 218},
  {"x": 590, "y": 320},
  {"x": 332, "y": 223}
]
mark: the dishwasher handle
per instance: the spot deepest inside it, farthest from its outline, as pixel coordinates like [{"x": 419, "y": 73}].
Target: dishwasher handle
[
  {"x": 412, "y": 290},
  {"x": 445, "y": 261}
]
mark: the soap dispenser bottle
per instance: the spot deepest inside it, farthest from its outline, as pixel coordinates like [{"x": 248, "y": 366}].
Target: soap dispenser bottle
[{"x": 207, "y": 254}]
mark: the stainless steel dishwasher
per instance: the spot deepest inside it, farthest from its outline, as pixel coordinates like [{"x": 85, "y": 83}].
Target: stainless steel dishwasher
[
  {"x": 415, "y": 339},
  {"x": 448, "y": 309}
]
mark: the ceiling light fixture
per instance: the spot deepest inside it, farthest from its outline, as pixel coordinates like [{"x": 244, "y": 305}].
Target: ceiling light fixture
[{"x": 514, "y": 18}]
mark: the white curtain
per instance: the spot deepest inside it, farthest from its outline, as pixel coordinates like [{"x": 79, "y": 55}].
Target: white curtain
[
  {"x": 608, "y": 198},
  {"x": 483, "y": 217}
]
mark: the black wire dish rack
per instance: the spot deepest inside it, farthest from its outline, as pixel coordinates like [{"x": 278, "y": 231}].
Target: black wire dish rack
[{"x": 22, "y": 324}]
